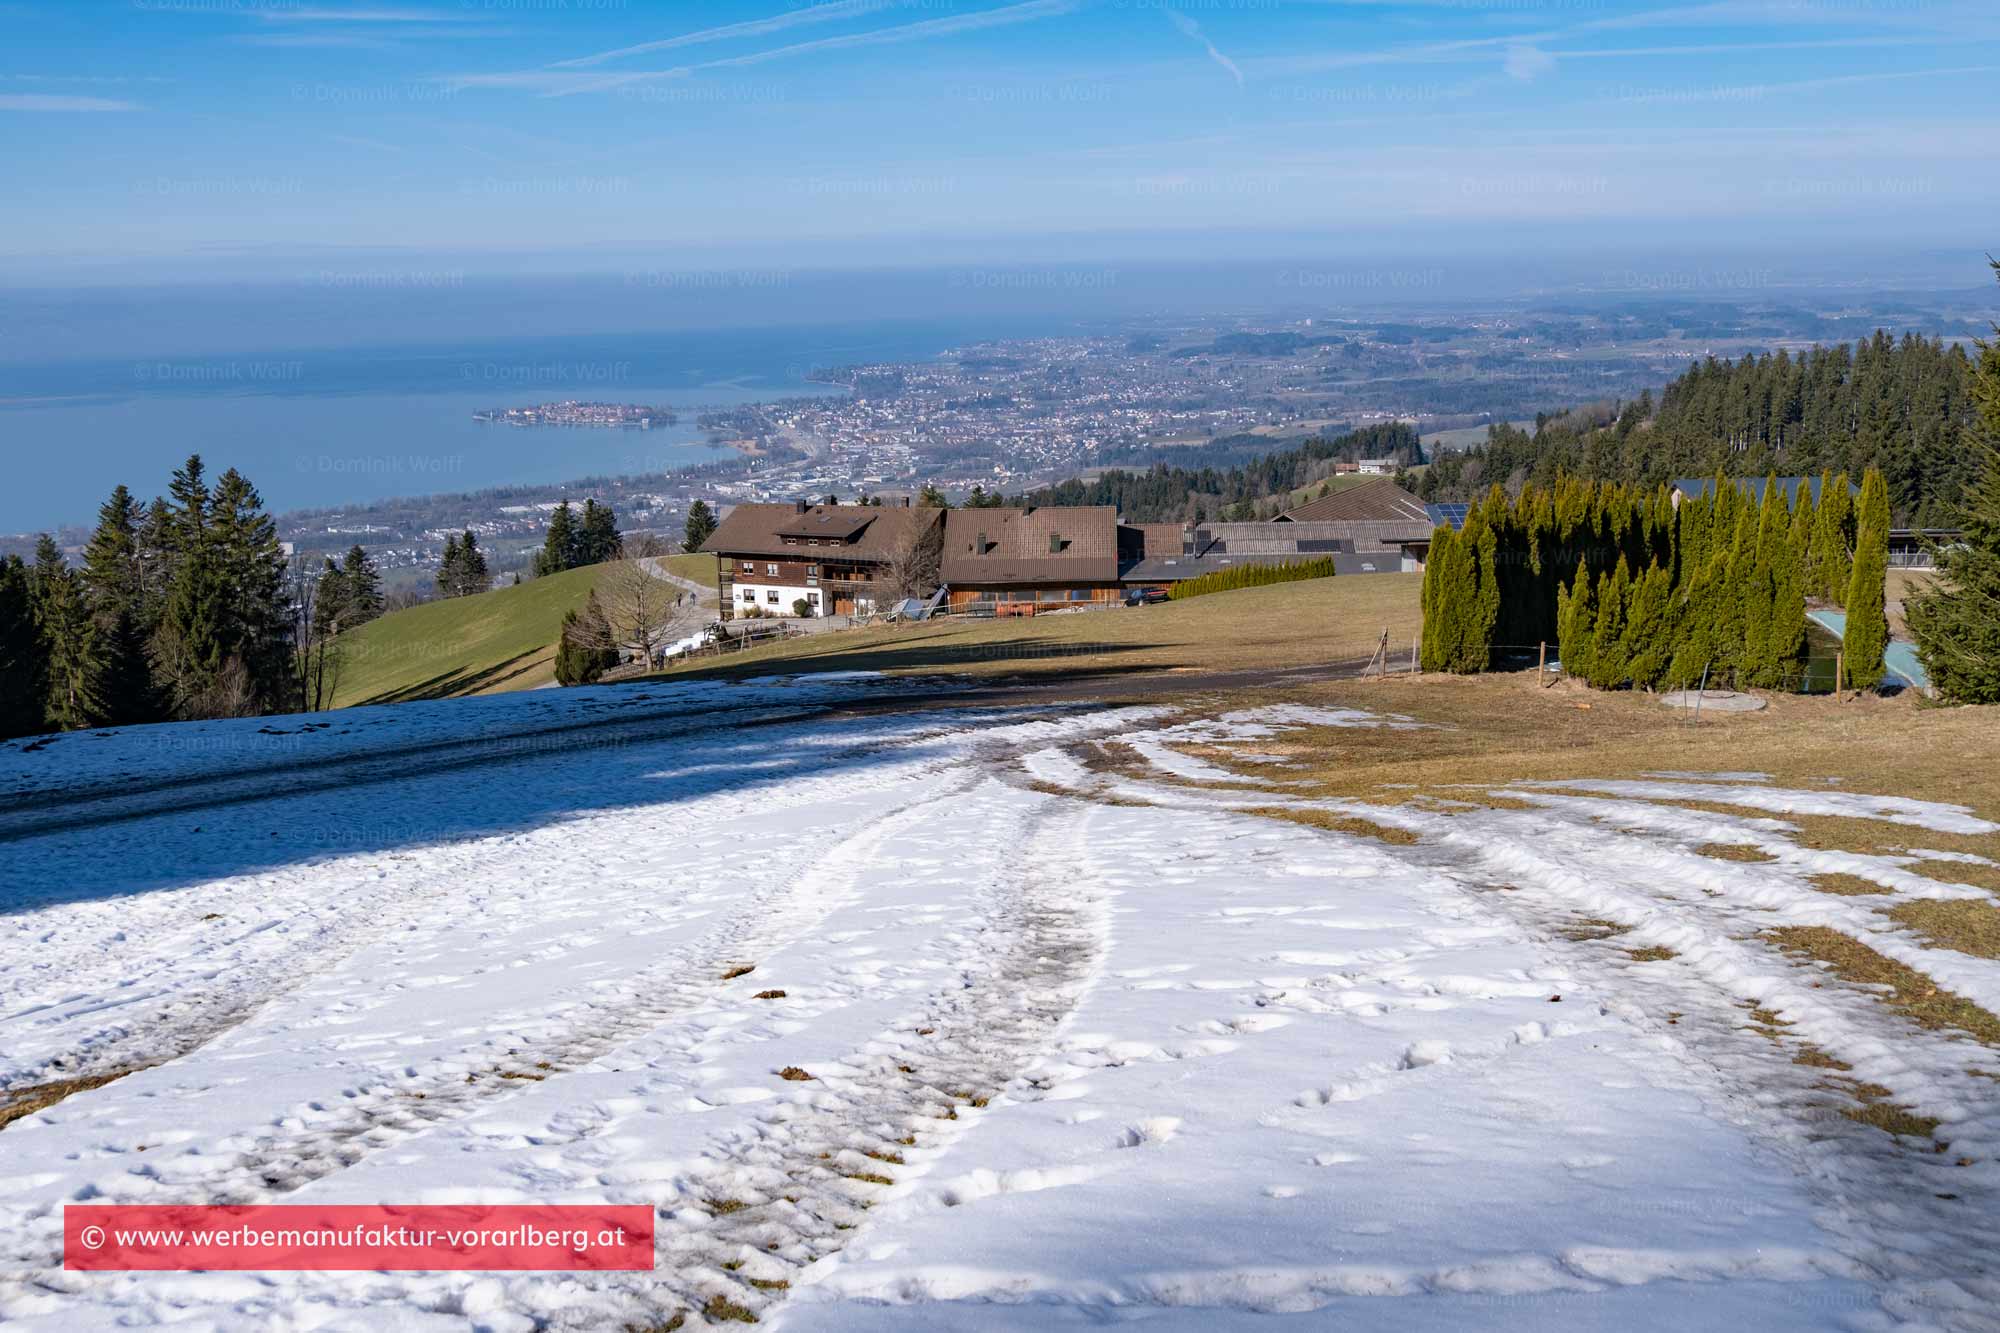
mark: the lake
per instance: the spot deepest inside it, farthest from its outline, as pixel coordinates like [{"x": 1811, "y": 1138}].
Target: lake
[{"x": 332, "y": 426}]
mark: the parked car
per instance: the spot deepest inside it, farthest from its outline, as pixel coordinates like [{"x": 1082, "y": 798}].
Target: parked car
[{"x": 1145, "y": 596}]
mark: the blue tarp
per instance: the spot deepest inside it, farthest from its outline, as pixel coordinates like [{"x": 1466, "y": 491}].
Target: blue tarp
[{"x": 1900, "y": 659}]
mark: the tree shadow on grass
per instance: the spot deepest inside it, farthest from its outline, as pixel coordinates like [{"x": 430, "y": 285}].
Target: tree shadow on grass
[
  {"x": 1027, "y": 654},
  {"x": 651, "y": 745},
  {"x": 463, "y": 680}
]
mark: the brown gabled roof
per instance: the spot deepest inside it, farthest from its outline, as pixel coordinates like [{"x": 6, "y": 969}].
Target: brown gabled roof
[
  {"x": 1053, "y": 544},
  {"x": 1159, "y": 540},
  {"x": 1377, "y": 501},
  {"x": 858, "y": 532}
]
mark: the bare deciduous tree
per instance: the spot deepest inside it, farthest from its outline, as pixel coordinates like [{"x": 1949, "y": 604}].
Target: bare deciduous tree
[
  {"x": 637, "y": 609},
  {"x": 913, "y": 569}
]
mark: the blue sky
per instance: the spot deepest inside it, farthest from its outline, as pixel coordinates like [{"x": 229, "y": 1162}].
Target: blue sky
[{"x": 166, "y": 132}]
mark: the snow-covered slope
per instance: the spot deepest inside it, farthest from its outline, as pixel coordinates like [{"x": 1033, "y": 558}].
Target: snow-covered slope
[{"x": 1123, "y": 1051}]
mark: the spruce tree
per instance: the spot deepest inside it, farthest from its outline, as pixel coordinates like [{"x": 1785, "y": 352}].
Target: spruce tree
[
  {"x": 258, "y": 626},
  {"x": 23, "y": 661},
  {"x": 449, "y": 566},
  {"x": 559, "y": 546},
  {"x": 583, "y": 651},
  {"x": 1956, "y": 621},
  {"x": 363, "y": 587},
  {"x": 597, "y": 537},
  {"x": 472, "y": 573},
  {"x": 69, "y": 642},
  {"x": 1867, "y": 637},
  {"x": 700, "y": 526},
  {"x": 114, "y": 584}
]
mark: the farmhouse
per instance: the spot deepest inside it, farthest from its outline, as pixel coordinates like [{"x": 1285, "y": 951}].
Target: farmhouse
[
  {"x": 1020, "y": 561},
  {"x": 831, "y": 558}
]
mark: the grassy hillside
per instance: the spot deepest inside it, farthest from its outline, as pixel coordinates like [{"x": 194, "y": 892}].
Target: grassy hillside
[
  {"x": 494, "y": 642},
  {"x": 1287, "y": 625}
]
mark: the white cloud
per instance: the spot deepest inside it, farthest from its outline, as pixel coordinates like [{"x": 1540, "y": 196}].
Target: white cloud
[
  {"x": 838, "y": 9},
  {"x": 1192, "y": 29},
  {"x": 1528, "y": 63},
  {"x": 563, "y": 83}
]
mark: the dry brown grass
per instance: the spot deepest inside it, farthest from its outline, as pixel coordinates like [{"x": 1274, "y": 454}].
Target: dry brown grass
[
  {"x": 1847, "y": 886},
  {"x": 769, "y": 995},
  {"x": 1916, "y": 996},
  {"x": 1501, "y": 730},
  {"x": 1814, "y": 1057},
  {"x": 722, "y": 1310},
  {"x": 26, "y": 1101},
  {"x": 1961, "y": 872},
  {"x": 1968, "y": 925},
  {"x": 794, "y": 1074},
  {"x": 1733, "y": 851},
  {"x": 1592, "y": 928},
  {"x": 1651, "y": 953},
  {"x": 1331, "y": 822},
  {"x": 1284, "y": 625}
]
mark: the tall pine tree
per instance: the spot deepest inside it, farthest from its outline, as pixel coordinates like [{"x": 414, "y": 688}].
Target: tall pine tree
[
  {"x": 69, "y": 642},
  {"x": 559, "y": 546},
  {"x": 597, "y": 536},
  {"x": 23, "y": 661},
  {"x": 114, "y": 582},
  {"x": 700, "y": 526}
]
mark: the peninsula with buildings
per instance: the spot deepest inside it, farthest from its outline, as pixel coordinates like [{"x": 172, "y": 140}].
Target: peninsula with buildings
[{"x": 570, "y": 412}]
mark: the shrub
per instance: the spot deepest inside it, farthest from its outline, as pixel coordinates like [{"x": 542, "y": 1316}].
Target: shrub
[{"x": 1253, "y": 576}]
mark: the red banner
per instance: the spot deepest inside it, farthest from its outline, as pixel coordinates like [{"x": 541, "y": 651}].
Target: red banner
[{"x": 357, "y": 1237}]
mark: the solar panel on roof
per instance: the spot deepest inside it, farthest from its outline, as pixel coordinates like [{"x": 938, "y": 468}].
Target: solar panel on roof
[{"x": 1447, "y": 515}]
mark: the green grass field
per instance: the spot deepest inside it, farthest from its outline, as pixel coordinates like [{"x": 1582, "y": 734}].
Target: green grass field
[
  {"x": 1285, "y": 625},
  {"x": 494, "y": 642}
]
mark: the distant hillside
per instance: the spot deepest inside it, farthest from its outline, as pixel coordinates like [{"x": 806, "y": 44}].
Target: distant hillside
[
  {"x": 486, "y": 644},
  {"x": 1164, "y": 493}
]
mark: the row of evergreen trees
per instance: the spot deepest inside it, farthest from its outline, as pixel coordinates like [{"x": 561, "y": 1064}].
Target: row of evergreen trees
[
  {"x": 1252, "y": 576},
  {"x": 1905, "y": 406},
  {"x": 573, "y": 542},
  {"x": 181, "y": 609},
  {"x": 1639, "y": 590},
  {"x": 1171, "y": 494}
]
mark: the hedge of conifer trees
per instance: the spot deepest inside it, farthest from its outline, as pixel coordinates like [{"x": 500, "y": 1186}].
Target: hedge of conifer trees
[
  {"x": 1252, "y": 576},
  {"x": 1635, "y": 589}
]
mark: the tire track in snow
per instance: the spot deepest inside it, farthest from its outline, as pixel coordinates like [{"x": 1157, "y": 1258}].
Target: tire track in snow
[
  {"x": 1883, "y": 1205},
  {"x": 230, "y": 993},
  {"x": 689, "y": 978},
  {"x": 795, "y": 1186}
]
